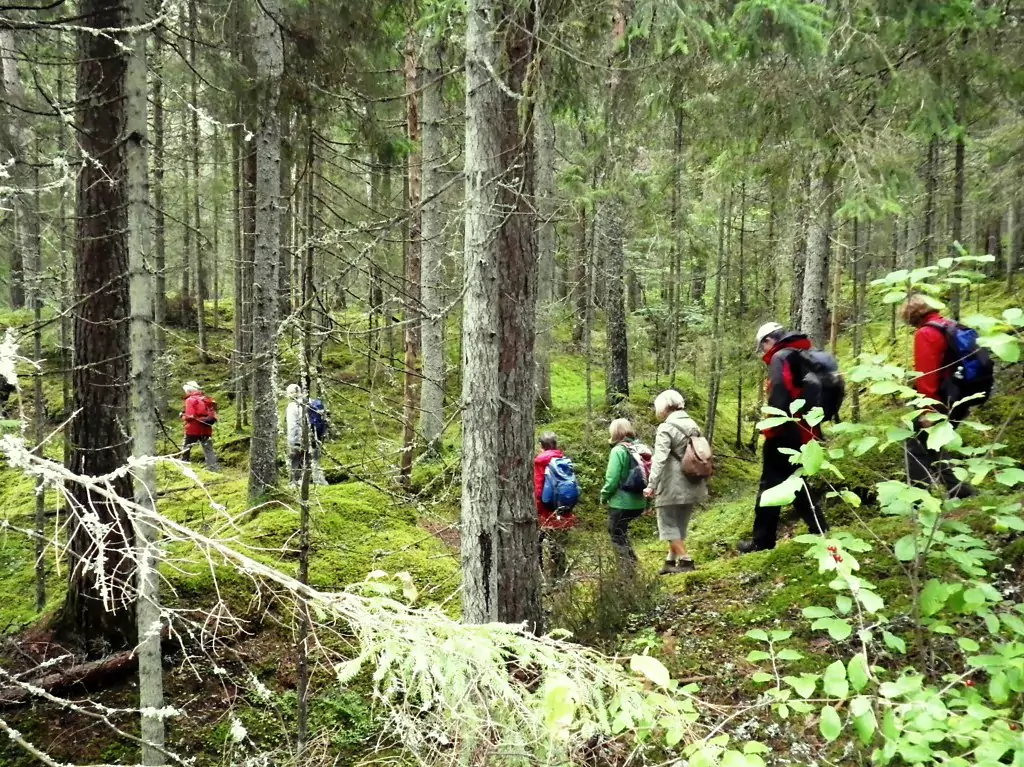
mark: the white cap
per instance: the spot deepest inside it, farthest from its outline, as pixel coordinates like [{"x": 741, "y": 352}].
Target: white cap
[
  {"x": 764, "y": 331},
  {"x": 191, "y": 386},
  {"x": 292, "y": 391}
]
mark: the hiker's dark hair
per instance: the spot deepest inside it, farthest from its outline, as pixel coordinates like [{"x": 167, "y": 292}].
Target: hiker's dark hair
[{"x": 549, "y": 440}]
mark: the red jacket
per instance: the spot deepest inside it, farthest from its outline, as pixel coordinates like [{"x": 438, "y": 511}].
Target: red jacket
[
  {"x": 548, "y": 519},
  {"x": 783, "y": 389},
  {"x": 929, "y": 355},
  {"x": 195, "y": 408}
]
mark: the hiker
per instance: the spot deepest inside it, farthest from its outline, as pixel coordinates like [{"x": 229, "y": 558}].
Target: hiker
[
  {"x": 6, "y": 390},
  {"x": 319, "y": 426},
  {"x": 675, "y": 494},
  {"x": 783, "y": 354},
  {"x": 556, "y": 517},
  {"x": 624, "y": 505},
  {"x": 951, "y": 367},
  {"x": 297, "y": 456},
  {"x": 199, "y": 416}
]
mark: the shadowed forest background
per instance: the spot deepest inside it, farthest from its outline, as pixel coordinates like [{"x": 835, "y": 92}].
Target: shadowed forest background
[{"x": 460, "y": 225}]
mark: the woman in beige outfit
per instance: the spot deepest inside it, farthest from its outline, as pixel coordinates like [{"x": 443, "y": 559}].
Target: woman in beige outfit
[{"x": 675, "y": 495}]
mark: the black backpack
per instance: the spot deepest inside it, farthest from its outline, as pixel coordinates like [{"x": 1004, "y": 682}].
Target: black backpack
[
  {"x": 967, "y": 369},
  {"x": 822, "y": 383}
]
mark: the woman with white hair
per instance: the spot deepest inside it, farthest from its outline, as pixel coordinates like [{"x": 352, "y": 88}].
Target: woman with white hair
[
  {"x": 293, "y": 421},
  {"x": 675, "y": 495},
  {"x": 624, "y": 503}
]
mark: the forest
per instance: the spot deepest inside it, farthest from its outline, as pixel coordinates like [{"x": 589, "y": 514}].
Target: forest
[{"x": 371, "y": 259}]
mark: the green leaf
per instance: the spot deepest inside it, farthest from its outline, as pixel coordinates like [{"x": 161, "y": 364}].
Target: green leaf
[
  {"x": 933, "y": 597},
  {"x": 779, "y": 635},
  {"x": 862, "y": 445},
  {"x": 865, "y": 725},
  {"x": 650, "y": 668},
  {"x": 940, "y": 435},
  {"x": 968, "y": 645},
  {"x": 837, "y": 628},
  {"x": 906, "y": 548},
  {"x": 1010, "y": 477},
  {"x": 999, "y": 688},
  {"x": 1014, "y": 316},
  {"x": 857, "y": 671},
  {"x": 804, "y": 684},
  {"x": 834, "y": 682},
  {"x": 813, "y": 457},
  {"x": 844, "y": 604},
  {"x": 756, "y": 656},
  {"x": 789, "y": 653},
  {"x": 817, "y": 611},
  {"x": 869, "y": 600},
  {"x": 784, "y": 493},
  {"x": 773, "y": 423},
  {"x": 830, "y": 725},
  {"x": 758, "y": 635},
  {"x": 762, "y": 677},
  {"x": 796, "y": 405},
  {"x": 851, "y": 498},
  {"x": 894, "y": 642},
  {"x": 1005, "y": 346}
]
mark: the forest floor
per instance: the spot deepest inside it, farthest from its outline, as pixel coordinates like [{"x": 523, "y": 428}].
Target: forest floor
[{"x": 694, "y": 623}]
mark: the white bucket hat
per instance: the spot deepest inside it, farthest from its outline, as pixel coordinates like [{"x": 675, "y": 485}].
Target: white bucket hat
[{"x": 764, "y": 331}]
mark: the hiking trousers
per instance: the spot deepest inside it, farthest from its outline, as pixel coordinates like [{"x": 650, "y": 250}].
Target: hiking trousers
[
  {"x": 208, "y": 455},
  {"x": 618, "y": 529},
  {"x": 775, "y": 470},
  {"x": 925, "y": 467}
]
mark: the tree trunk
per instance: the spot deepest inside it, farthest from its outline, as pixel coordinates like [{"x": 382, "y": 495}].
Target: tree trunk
[
  {"x": 931, "y": 183},
  {"x": 544, "y": 143},
  {"x": 159, "y": 225},
  {"x": 100, "y": 603},
  {"x": 859, "y": 265},
  {"x": 19, "y": 141},
  {"x": 413, "y": 250},
  {"x": 814, "y": 306},
  {"x": 143, "y": 366},
  {"x": 618, "y": 341},
  {"x": 957, "y": 216},
  {"x": 716, "y": 328},
  {"x": 288, "y": 262},
  {"x": 837, "y": 294},
  {"x": 1015, "y": 247},
  {"x": 480, "y": 328},
  {"x": 196, "y": 141},
  {"x": 35, "y": 301},
  {"x": 800, "y": 254},
  {"x": 519, "y": 599},
  {"x": 433, "y": 244},
  {"x": 269, "y": 55}
]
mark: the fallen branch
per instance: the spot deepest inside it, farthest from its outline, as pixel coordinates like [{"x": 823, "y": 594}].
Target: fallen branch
[{"x": 82, "y": 674}]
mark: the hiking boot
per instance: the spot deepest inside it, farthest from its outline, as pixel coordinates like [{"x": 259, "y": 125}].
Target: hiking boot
[
  {"x": 685, "y": 566},
  {"x": 746, "y": 547},
  {"x": 668, "y": 568}
]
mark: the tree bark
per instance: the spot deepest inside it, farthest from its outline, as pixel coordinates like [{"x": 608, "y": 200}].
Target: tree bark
[
  {"x": 269, "y": 55},
  {"x": 814, "y": 306},
  {"x": 195, "y": 142},
  {"x": 799, "y": 266},
  {"x": 143, "y": 365},
  {"x": 159, "y": 224},
  {"x": 19, "y": 141},
  {"x": 931, "y": 183},
  {"x": 433, "y": 251},
  {"x": 618, "y": 340},
  {"x": 480, "y": 329},
  {"x": 544, "y": 143},
  {"x": 519, "y": 598},
  {"x": 1015, "y": 247},
  {"x": 413, "y": 250},
  {"x": 100, "y": 602}
]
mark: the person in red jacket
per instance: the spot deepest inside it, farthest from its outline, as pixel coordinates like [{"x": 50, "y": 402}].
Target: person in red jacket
[
  {"x": 924, "y": 466},
  {"x": 199, "y": 414},
  {"x": 780, "y": 350},
  {"x": 553, "y": 527}
]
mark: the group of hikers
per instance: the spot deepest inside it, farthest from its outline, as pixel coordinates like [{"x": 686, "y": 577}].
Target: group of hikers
[
  {"x": 199, "y": 416},
  {"x": 954, "y": 374}
]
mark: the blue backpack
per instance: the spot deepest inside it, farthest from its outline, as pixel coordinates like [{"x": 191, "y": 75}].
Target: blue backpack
[
  {"x": 967, "y": 369},
  {"x": 318, "y": 419},
  {"x": 561, "y": 490}
]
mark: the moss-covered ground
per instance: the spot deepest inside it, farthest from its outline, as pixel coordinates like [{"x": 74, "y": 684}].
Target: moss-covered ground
[{"x": 364, "y": 521}]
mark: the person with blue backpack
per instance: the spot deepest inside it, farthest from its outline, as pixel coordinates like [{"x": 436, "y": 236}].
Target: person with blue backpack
[
  {"x": 625, "y": 480},
  {"x": 954, "y": 372},
  {"x": 556, "y": 492},
  {"x": 297, "y": 455}
]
